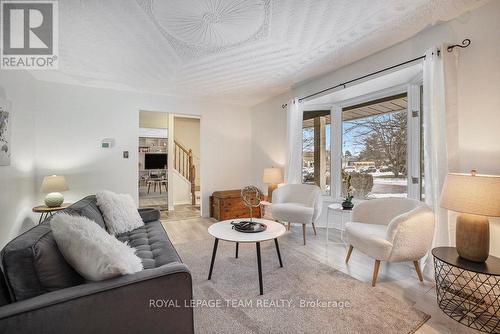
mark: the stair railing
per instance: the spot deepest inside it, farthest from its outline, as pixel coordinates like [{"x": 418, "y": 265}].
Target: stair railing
[{"x": 183, "y": 163}]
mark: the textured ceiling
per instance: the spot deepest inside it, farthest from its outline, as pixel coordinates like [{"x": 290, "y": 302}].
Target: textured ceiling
[{"x": 238, "y": 51}]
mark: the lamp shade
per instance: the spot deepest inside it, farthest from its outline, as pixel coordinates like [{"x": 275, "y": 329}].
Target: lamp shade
[
  {"x": 53, "y": 184},
  {"x": 471, "y": 193},
  {"x": 272, "y": 175}
]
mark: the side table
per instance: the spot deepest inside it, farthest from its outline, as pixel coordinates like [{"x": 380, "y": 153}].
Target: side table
[
  {"x": 468, "y": 292},
  {"x": 337, "y": 209},
  {"x": 46, "y": 211},
  {"x": 265, "y": 208}
]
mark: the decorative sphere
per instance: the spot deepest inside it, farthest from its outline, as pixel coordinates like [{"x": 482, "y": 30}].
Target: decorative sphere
[
  {"x": 53, "y": 200},
  {"x": 251, "y": 196}
]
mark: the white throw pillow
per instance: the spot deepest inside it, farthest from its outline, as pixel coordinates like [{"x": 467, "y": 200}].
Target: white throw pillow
[
  {"x": 92, "y": 251},
  {"x": 119, "y": 211}
]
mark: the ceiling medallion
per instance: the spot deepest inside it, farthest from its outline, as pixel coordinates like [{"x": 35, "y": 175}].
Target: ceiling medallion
[{"x": 210, "y": 25}]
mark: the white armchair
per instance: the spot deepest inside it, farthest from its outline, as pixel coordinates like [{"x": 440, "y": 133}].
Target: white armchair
[
  {"x": 298, "y": 204},
  {"x": 391, "y": 229}
]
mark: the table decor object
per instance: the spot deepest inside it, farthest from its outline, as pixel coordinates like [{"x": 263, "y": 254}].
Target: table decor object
[
  {"x": 347, "y": 204},
  {"x": 251, "y": 196},
  {"x": 53, "y": 185},
  {"x": 248, "y": 227},
  {"x": 476, "y": 197}
]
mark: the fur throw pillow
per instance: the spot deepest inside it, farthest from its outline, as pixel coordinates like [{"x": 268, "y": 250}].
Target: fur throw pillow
[
  {"x": 92, "y": 251},
  {"x": 119, "y": 211}
]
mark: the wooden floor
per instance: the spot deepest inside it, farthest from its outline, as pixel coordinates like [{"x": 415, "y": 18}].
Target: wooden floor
[
  {"x": 397, "y": 279},
  {"x": 181, "y": 212},
  {"x": 159, "y": 202}
]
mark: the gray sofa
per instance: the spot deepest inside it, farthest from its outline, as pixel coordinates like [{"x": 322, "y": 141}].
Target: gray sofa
[{"x": 41, "y": 293}]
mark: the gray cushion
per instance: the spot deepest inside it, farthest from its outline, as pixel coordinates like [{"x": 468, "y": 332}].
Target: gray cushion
[
  {"x": 4, "y": 291},
  {"x": 87, "y": 207},
  {"x": 152, "y": 244},
  {"x": 33, "y": 265}
]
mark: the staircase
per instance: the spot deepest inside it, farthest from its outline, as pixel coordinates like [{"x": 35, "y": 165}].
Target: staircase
[{"x": 183, "y": 164}]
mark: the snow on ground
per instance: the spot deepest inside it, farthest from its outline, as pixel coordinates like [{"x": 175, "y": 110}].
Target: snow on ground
[
  {"x": 374, "y": 196},
  {"x": 391, "y": 181}
]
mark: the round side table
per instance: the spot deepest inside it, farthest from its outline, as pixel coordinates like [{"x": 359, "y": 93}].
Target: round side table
[
  {"x": 337, "y": 209},
  {"x": 265, "y": 210},
  {"x": 468, "y": 292},
  {"x": 46, "y": 211}
]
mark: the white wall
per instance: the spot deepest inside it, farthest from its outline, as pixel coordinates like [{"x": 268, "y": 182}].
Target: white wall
[
  {"x": 181, "y": 189},
  {"x": 478, "y": 94},
  {"x": 269, "y": 138},
  {"x": 72, "y": 120},
  {"x": 152, "y": 119},
  {"x": 17, "y": 180}
]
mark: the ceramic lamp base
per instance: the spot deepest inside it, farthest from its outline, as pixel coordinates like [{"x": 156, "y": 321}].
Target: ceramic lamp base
[
  {"x": 473, "y": 237},
  {"x": 54, "y": 200},
  {"x": 270, "y": 189}
]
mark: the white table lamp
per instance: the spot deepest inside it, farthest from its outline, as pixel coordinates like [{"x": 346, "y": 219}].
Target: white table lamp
[
  {"x": 272, "y": 177},
  {"x": 53, "y": 185},
  {"x": 475, "y": 197}
]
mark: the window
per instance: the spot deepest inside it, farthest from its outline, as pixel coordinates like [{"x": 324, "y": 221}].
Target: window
[
  {"x": 376, "y": 140},
  {"x": 374, "y": 148},
  {"x": 316, "y": 151}
]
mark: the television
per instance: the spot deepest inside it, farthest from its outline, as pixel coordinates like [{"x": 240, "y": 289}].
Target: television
[{"x": 155, "y": 161}]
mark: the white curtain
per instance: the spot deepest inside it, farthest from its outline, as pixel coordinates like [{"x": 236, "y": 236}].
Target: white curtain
[
  {"x": 439, "y": 120},
  {"x": 293, "y": 168}
]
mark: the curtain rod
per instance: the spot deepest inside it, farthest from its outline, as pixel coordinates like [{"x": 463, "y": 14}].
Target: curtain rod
[{"x": 465, "y": 43}]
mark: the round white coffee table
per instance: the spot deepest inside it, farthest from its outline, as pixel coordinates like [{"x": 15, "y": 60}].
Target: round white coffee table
[{"x": 224, "y": 231}]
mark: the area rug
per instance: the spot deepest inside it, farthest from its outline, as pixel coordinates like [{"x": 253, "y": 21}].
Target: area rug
[{"x": 305, "y": 296}]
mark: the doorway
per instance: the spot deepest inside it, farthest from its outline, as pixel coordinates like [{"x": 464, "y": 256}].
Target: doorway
[
  {"x": 169, "y": 164},
  {"x": 153, "y": 160}
]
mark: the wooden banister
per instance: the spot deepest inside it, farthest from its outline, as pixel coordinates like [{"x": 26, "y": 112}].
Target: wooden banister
[{"x": 183, "y": 163}]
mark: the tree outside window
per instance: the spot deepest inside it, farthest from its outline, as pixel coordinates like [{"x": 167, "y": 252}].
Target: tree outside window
[{"x": 375, "y": 148}]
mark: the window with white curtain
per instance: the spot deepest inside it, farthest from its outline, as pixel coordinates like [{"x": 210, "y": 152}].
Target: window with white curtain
[{"x": 375, "y": 139}]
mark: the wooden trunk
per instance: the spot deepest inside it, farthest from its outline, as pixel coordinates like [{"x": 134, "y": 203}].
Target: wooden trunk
[{"x": 228, "y": 204}]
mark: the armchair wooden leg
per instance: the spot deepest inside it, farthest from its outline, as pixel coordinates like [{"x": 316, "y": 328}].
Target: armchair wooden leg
[
  {"x": 349, "y": 252},
  {"x": 375, "y": 272},
  {"x": 304, "y": 233},
  {"x": 289, "y": 227},
  {"x": 314, "y": 228},
  {"x": 419, "y": 272}
]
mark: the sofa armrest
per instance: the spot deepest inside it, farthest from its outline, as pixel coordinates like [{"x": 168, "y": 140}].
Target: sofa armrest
[
  {"x": 126, "y": 304},
  {"x": 149, "y": 214}
]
